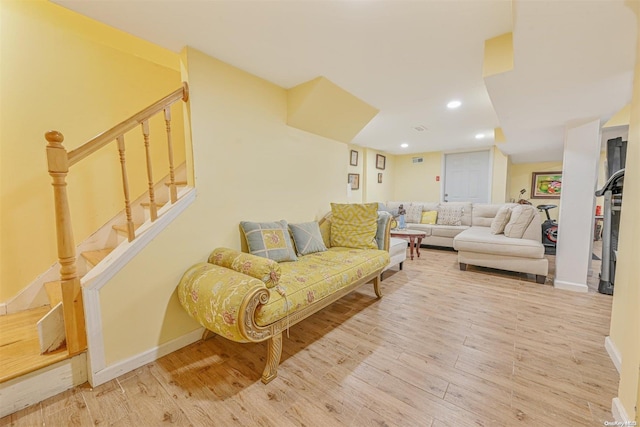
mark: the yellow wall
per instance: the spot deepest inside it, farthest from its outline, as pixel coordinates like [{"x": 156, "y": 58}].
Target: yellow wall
[
  {"x": 357, "y": 196},
  {"x": 625, "y": 312},
  {"x": 498, "y": 55},
  {"x": 379, "y": 192},
  {"x": 321, "y": 107},
  {"x": 500, "y": 173},
  {"x": 417, "y": 181},
  {"x": 60, "y": 70},
  {"x": 520, "y": 177},
  {"x": 249, "y": 165}
]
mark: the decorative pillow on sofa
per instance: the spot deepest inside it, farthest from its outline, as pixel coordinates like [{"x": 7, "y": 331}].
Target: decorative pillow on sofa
[
  {"x": 261, "y": 268},
  {"x": 307, "y": 238},
  {"x": 449, "y": 215},
  {"x": 429, "y": 217},
  {"x": 521, "y": 217},
  {"x": 414, "y": 214},
  {"x": 501, "y": 220},
  {"x": 269, "y": 240},
  {"x": 354, "y": 225}
]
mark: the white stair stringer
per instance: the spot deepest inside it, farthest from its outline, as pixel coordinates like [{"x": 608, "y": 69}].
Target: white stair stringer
[{"x": 34, "y": 295}]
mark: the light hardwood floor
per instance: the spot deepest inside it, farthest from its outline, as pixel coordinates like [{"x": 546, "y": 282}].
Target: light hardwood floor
[{"x": 443, "y": 347}]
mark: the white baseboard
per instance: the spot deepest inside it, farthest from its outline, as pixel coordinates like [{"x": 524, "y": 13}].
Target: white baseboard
[
  {"x": 3, "y": 309},
  {"x": 570, "y": 286},
  {"x": 151, "y": 355},
  {"x": 618, "y": 412},
  {"x": 37, "y": 386},
  {"x": 614, "y": 354}
]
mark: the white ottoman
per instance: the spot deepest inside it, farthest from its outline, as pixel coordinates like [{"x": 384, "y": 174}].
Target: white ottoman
[{"x": 397, "y": 252}]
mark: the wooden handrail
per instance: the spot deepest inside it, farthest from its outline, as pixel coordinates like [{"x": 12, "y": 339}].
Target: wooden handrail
[
  {"x": 110, "y": 135},
  {"x": 59, "y": 160}
]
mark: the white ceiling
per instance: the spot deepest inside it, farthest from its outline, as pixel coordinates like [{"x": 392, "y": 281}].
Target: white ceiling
[{"x": 573, "y": 60}]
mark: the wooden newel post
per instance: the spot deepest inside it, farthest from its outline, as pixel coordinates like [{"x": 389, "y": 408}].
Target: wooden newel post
[{"x": 58, "y": 164}]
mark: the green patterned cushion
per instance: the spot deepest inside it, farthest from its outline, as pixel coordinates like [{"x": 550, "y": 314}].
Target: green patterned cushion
[
  {"x": 269, "y": 240},
  {"x": 354, "y": 225},
  {"x": 261, "y": 268},
  {"x": 307, "y": 238}
]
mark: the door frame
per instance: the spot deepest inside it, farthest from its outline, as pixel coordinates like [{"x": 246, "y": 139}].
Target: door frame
[{"x": 443, "y": 168}]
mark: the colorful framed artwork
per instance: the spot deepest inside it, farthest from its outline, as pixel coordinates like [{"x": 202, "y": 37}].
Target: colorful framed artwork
[
  {"x": 380, "y": 178},
  {"x": 354, "y": 158},
  {"x": 546, "y": 185},
  {"x": 380, "y": 161},
  {"x": 354, "y": 180}
]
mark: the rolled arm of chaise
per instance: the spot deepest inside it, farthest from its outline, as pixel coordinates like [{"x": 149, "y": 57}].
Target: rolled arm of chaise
[{"x": 224, "y": 301}]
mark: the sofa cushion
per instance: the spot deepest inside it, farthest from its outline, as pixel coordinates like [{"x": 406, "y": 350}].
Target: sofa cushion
[
  {"x": 449, "y": 214},
  {"x": 261, "y": 268},
  {"x": 501, "y": 220},
  {"x": 467, "y": 209},
  {"x": 521, "y": 217},
  {"x": 429, "y": 217},
  {"x": 354, "y": 225},
  {"x": 414, "y": 213},
  {"x": 483, "y": 213},
  {"x": 316, "y": 276},
  {"x": 428, "y": 206},
  {"x": 307, "y": 238},
  {"x": 269, "y": 239},
  {"x": 447, "y": 230},
  {"x": 480, "y": 239},
  {"x": 393, "y": 206}
]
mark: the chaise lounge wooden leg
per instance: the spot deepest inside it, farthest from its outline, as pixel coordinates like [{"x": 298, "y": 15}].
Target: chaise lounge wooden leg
[
  {"x": 541, "y": 279},
  {"x": 274, "y": 351},
  {"x": 376, "y": 286},
  {"x": 463, "y": 266},
  {"x": 400, "y": 267}
]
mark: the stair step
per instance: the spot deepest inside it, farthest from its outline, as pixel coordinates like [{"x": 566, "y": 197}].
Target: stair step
[
  {"x": 122, "y": 228},
  {"x": 19, "y": 346},
  {"x": 178, "y": 183},
  {"x": 94, "y": 257},
  {"x": 54, "y": 292}
]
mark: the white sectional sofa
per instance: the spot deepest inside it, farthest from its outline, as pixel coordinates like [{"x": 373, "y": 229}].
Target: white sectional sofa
[{"x": 475, "y": 242}]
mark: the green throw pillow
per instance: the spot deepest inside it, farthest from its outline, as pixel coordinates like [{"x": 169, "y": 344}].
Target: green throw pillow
[
  {"x": 269, "y": 240},
  {"x": 307, "y": 238},
  {"x": 354, "y": 225}
]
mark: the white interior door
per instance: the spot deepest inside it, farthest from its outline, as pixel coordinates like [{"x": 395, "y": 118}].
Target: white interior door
[{"x": 467, "y": 177}]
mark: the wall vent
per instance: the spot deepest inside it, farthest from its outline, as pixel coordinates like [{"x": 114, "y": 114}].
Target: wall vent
[{"x": 417, "y": 159}]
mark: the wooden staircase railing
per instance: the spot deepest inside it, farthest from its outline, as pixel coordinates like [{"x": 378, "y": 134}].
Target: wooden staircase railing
[{"x": 59, "y": 161}]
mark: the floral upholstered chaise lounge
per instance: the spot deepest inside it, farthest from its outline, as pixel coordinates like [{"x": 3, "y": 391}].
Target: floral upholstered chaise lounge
[{"x": 250, "y": 298}]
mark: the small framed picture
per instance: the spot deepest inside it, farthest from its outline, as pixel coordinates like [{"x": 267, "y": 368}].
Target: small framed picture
[
  {"x": 546, "y": 185},
  {"x": 354, "y": 158},
  {"x": 380, "y": 178},
  {"x": 380, "y": 161},
  {"x": 354, "y": 180}
]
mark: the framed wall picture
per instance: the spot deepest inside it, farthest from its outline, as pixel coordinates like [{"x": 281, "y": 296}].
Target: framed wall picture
[
  {"x": 546, "y": 185},
  {"x": 380, "y": 161},
  {"x": 380, "y": 178},
  {"x": 354, "y": 180},
  {"x": 353, "y": 161}
]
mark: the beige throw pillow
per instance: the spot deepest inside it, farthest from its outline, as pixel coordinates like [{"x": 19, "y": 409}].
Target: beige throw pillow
[
  {"x": 450, "y": 215},
  {"x": 501, "y": 220},
  {"x": 414, "y": 214},
  {"x": 521, "y": 217}
]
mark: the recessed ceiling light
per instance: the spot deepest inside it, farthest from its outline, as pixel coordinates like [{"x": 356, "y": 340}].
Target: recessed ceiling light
[
  {"x": 454, "y": 104},
  {"x": 404, "y": 145},
  {"x": 479, "y": 135}
]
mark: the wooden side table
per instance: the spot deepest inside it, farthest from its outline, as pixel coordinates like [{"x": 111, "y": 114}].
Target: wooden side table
[{"x": 415, "y": 239}]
